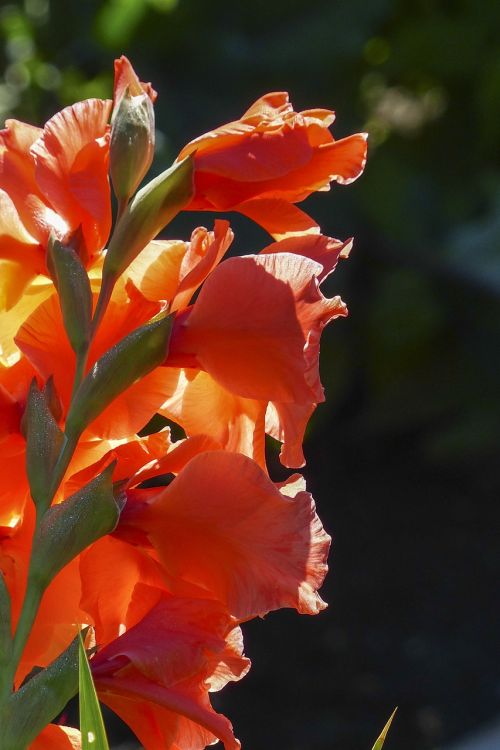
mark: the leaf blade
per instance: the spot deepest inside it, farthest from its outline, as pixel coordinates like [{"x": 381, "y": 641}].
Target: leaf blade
[
  {"x": 91, "y": 722},
  {"x": 383, "y": 734}
]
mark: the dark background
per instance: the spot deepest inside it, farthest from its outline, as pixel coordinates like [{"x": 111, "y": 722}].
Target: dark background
[{"x": 403, "y": 458}]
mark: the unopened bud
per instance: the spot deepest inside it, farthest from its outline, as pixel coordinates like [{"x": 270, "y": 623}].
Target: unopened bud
[{"x": 132, "y": 143}]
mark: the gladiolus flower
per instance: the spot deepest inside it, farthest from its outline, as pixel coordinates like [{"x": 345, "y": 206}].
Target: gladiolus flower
[
  {"x": 255, "y": 329},
  {"x": 158, "y": 674},
  {"x": 269, "y": 159},
  {"x": 223, "y": 526},
  {"x": 53, "y": 180}
]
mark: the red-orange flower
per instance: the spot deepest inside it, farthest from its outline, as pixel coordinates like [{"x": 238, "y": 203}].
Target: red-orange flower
[
  {"x": 255, "y": 329},
  {"x": 157, "y": 675},
  {"x": 269, "y": 159},
  {"x": 53, "y": 180},
  {"x": 223, "y": 526}
]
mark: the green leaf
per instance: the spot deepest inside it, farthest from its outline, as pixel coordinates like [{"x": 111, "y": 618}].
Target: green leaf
[
  {"x": 132, "y": 358},
  {"x": 75, "y": 295},
  {"x": 383, "y": 734},
  {"x": 91, "y": 723},
  {"x": 68, "y": 528},
  {"x": 40, "y": 700},
  {"x": 43, "y": 444}
]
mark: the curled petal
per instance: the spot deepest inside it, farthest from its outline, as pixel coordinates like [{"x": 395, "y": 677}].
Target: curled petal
[
  {"x": 126, "y": 77},
  {"x": 255, "y": 328},
  {"x": 173, "y": 270},
  {"x": 222, "y": 525},
  {"x": 318, "y": 247},
  {"x": 157, "y": 675},
  {"x": 72, "y": 169}
]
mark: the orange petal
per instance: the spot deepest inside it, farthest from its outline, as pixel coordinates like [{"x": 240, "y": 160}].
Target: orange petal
[
  {"x": 72, "y": 168},
  {"x": 287, "y": 423},
  {"x": 21, "y": 258},
  {"x": 203, "y": 407},
  {"x": 106, "y": 599},
  {"x": 272, "y": 152},
  {"x": 126, "y": 77},
  {"x": 156, "y": 270},
  {"x": 157, "y": 675},
  {"x": 318, "y": 247},
  {"x": 57, "y": 737},
  {"x": 278, "y": 217},
  {"x": 44, "y": 342},
  {"x": 222, "y": 525},
  {"x": 255, "y": 328}
]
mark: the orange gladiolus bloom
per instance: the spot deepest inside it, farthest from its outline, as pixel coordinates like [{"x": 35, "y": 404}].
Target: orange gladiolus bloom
[
  {"x": 255, "y": 329},
  {"x": 157, "y": 675},
  {"x": 269, "y": 159},
  {"x": 215, "y": 541},
  {"x": 53, "y": 180},
  {"x": 223, "y": 526}
]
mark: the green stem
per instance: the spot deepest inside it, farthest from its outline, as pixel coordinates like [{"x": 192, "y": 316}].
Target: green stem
[
  {"x": 107, "y": 286},
  {"x": 62, "y": 464},
  {"x": 32, "y": 599},
  {"x": 34, "y": 593},
  {"x": 81, "y": 363}
]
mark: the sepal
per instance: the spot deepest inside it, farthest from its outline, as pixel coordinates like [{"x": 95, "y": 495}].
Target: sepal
[
  {"x": 68, "y": 528},
  {"x": 44, "y": 440},
  {"x": 40, "y": 699},
  {"x": 5, "y": 625},
  {"x": 75, "y": 295},
  {"x": 132, "y": 358}
]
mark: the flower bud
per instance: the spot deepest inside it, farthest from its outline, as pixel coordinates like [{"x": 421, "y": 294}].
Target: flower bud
[
  {"x": 44, "y": 440},
  {"x": 132, "y": 143},
  {"x": 71, "y": 526},
  {"x": 41, "y": 699},
  {"x": 75, "y": 295},
  {"x": 127, "y": 361}
]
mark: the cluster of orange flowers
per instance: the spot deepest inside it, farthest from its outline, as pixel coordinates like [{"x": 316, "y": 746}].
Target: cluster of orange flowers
[{"x": 214, "y": 542}]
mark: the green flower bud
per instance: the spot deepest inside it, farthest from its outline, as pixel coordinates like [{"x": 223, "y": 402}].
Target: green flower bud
[
  {"x": 132, "y": 143},
  {"x": 75, "y": 295},
  {"x": 40, "y": 699},
  {"x": 43, "y": 444},
  {"x": 70, "y": 527},
  {"x": 130, "y": 359}
]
